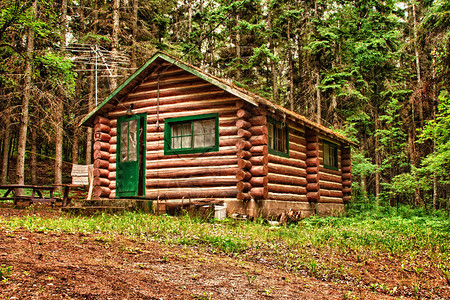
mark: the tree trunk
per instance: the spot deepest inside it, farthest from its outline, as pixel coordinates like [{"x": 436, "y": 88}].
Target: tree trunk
[
  {"x": 23, "y": 125},
  {"x": 238, "y": 50},
  {"x": 59, "y": 111},
  {"x": 75, "y": 144},
  {"x": 377, "y": 161},
  {"x": 6, "y": 146},
  {"x": 134, "y": 27},
  {"x": 33, "y": 155},
  {"x": 273, "y": 65},
  {"x": 318, "y": 98},
  {"x": 115, "y": 42},
  {"x": 291, "y": 70}
]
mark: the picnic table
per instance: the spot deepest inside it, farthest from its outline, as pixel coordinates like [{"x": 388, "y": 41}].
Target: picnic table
[{"x": 36, "y": 193}]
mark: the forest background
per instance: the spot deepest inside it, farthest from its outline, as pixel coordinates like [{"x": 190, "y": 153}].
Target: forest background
[{"x": 376, "y": 71}]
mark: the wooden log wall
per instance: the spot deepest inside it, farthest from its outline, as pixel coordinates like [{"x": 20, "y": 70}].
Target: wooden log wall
[
  {"x": 102, "y": 147},
  {"x": 259, "y": 152},
  {"x": 287, "y": 175},
  {"x": 346, "y": 173},
  {"x": 330, "y": 180},
  {"x": 185, "y": 176},
  {"x": 312, "y": 166}
]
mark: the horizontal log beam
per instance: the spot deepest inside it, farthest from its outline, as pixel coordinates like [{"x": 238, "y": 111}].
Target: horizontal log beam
[
  {"x": 286, "y": 170},
  {"x": 244, "y": 164},
  {"x": 259, "y": 181},
  {"x": 101, "y": 191},
  {"x": 285, "y": 179},
  {"x": 258, "y": 130},
  {"x": 259, "y": 150},
  {"x": 244, "y": 133},
  {"x": 242, "y": 113},
  {"x": 243, "y": 124},
  {"x": 191, "y": 193},
  {"x": 243, "y": 145},
  {"x": 98, "y": 154},
  {"x": 99, "y": 145},
  {"x": 192, "y": 182},
  {"x": 101, "y": 164},
  {"x": 259, "y": 140},
  {"x": 101, "y": 173},
  {"x": 287, "y": 197},
  {"x": 259, "y": 160},
  {"x": 331, "y": 193},
  {"x": 291, "y": 189},
  {"x": 187, "y": 172},
  {"x": 243, "y": 186},
  {"x": 243, "y": 175},
  {"x": 188, "y": 163},
  {"x": 99, "y": 127},
  {"x": 287, "y": 161},
  {"x": 259, "y": 170},
  {"x": 258, "y": 120},
  {"x": 259, "y": 192},
  {"x": 244, "y": 154}
]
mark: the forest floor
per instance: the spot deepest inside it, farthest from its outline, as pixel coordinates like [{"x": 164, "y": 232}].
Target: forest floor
[{"x": 59, "y": 264}]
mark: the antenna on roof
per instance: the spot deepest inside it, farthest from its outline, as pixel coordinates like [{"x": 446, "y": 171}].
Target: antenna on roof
[{"x": 99, "y": 59}]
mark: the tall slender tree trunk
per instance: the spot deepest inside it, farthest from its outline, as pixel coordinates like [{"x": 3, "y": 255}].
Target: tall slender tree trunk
[
  {"x": 75, "y": 144},
  {"x": 59, "y": 112},
  {"x": 318, "y": 98},
  {"x": 273, "y": 65},
  {"x": 115, "y": 42},
  {"x": 134, "y": 29},
  {"x": 91, "y": 100},
  {"x": 23, "y": 125},
  {"x": 377, "y": 161},
  {"x": 33, "y": 156},
  {"x": 238, "y": 50},
  {"x": 291, "y": 69},
  {"x": 435, "y": 181},
  {"x": 6, "y": 146}
]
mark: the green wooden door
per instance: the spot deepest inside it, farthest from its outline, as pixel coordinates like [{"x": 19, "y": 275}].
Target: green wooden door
[{"x": 130, "y": 141}]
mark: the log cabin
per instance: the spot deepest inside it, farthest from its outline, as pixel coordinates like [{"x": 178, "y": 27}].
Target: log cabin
[{"x": 173, "y": 133}]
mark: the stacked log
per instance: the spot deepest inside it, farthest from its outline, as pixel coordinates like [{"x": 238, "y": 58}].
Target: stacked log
[
  {"x": 243, "y": 145},
  {"x": 112, "y": 159},
  {"x": 102, "y": 137},
  {"x": 312, "y": 165},
  {"x": 259, "y": 154},
  {"x": 346, "y": 174}
]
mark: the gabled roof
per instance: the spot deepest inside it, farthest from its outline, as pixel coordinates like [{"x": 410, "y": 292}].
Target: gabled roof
[{"x": 149, "y": 67}]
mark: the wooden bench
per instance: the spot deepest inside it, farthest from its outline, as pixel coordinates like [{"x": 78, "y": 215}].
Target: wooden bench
[
  {"x": 35, "y": 189},
  {"x": 81, "y": 178}
]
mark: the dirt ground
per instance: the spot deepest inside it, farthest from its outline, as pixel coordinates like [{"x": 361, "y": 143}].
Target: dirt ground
[{"x": 54, "y": 265}]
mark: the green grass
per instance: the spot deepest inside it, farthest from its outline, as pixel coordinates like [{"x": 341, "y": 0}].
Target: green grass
[{"x": 408, "y": 240}]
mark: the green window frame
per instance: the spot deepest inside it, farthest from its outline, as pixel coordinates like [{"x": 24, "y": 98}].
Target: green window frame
[
  {"x": 191, "y": 134},
  {"x": 278, "y": 138},
  {"x": 330, "y": 155}
]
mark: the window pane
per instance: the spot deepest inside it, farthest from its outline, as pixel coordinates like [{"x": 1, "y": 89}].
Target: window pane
[
  {"x": 204, "y": 133},
  {"x": 271, "y": 137},
  {"x": 124, "y": 141},
  {"x": 176, "y": 143},
  {"x": 132, "y": 152},
  {"x": 176, "y": 130}
]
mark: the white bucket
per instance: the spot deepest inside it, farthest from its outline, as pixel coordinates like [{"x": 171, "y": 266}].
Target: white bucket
[{"x": 220, "y": 211}]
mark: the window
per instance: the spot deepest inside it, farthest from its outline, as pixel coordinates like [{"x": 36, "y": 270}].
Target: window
[
  {"x": 278, "y": 138},
  {"x": 330, "y": 156},
  {"x": 128, "y": 134},
  {"x": 191, "y": 134}
]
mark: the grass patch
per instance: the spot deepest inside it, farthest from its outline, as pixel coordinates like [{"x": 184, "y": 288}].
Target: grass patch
[{"x": 330, "y": 248}]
